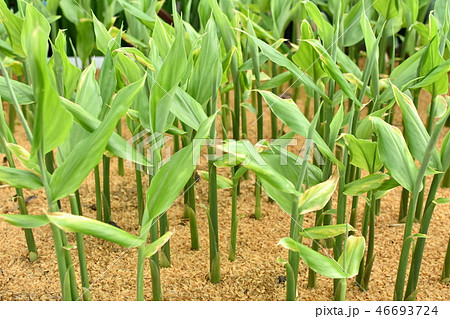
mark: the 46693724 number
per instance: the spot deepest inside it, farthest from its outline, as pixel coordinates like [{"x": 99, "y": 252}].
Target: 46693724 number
[{"x": 407, "y": 310}]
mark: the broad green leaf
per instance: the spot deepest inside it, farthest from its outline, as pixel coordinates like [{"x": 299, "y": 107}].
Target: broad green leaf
[
  {"x": 289, "y": 113},
  {"x": 229, "y": 160},
  {"x": 104, "y": 41},
  {"x": 415, "y": 132},
  {"x": 88, "y": 91},
  {"x": 365, "y": 127},
  {"x": 80, "y": 224},
  {"x": 445, "y": 152},
  {"x": 85, "y": 39},
  {"x": 23, "y": 92},
  {"x": 437, "y": 73},
  {"x": 283, "y": 61},
  {"x": 207, "y": 73},
  {"x": 13, "y": 25},
  {"x": 432, "y": 60},
  {"x": 19, "y": 178},
  {"x": 395, "y": 154},
  {"x": 387, "y": 8},
  {"x": 321, "y": 264},
  {"x": 363, "y": 153},
  {"x": 116, "y": 144},
  {"x": 386, "y": 187},
  {"x": 138, "y": 56},
  {"x": 171, "y": 178},
  {"x": 441, "y": 201},
  {"x": 87, "y": 154},
  {"x": 276, "y": 81},
  {"x": 25, "y": 221},
  {"x": 256, "y": 163},
  {"x": 70, "y": 72},
  {"x": 317, "y": 196},
  {"x": 326, "y": 231},
  {"x": 365, "y": 184},
  {"x": 107, "y": 79},
  {"x": 168, "y": 77},
  {"x": 222, "y": 181},
  {"x": 324, "y": 28},
  {"x": 52, "y": 122},
  {"x": 403, "y": 74},
  {"x": 187, "y": 109},
  {"x": 24, "y": 157},
  {"x": 306, "y": 57},
  {"x": 333, "y": 70},
  {"x": 153, "y": 248},
  {"x": 353, "y": 254}
]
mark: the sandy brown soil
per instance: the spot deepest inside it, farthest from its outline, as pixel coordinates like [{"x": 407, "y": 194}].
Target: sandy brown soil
[{"x": 254, "y": 275}]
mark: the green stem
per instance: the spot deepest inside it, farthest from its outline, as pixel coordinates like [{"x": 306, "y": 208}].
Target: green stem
[
  {"x": 57, "y": 238},
  {"x": 273, "y": 117},
  {"x": 195, "y": 244},
  {"x": 165, "y": 249},
  {"x": 120, "y": 167},
  {"x": 371, "y": 243},
  {"x": 98, "y": 194},
  {"x": 106, "y": 190},
  {"x": 213, "y": 213},
  {"x": 234, "y": 223},
  {"x": 446, "y": 179},
  {"x": 445, "y": 277},
  {"x": 403, "y": 205},
  {"x": 407, "y": 240},
  {"x": 416, "y": 260}
]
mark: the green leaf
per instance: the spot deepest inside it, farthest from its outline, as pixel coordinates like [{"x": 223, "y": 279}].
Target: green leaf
[
  {"x": 441, "y": 201},
  {"x": 70, "y": 72},
  {"x": 445, "y": 152},
  {"x": 207, "y": 73},
  {"x": 363, "y": 153},
  {"x": 283, "y": 61},
  {"x": 395, "y": 154},
  {"x": 317, "y": 196},
  {"x": 437, "y": 73},
  {"x": 87, "y": 154},
  {"x": 353, "y": 254},
  {"x": 256, "y": 163},
  {"x": 415, "y": 132},
  {"x": 116, "y": 144},
  {"x": 289, "y": 113},
  {"x": 187, "y": 109},
  {"x": 168, "y": 77},
  {"x": 80, "y": 224},
  {"x": 24, "y": 157},
  {"x": 222, "y": 182},
  {"x": 325, "y": 266},
  {"x": 19, "y": 178},
  {"x": 23, "y": 92},
  {"x": 171, "y": 178},
  {"x": 324, "y": 28},
  {"x": 276, "y": 81},
  {"x": 52, "y": 122},
  {"x": 153, "y": 248},
  {"x": 25, "y": 221},
  {"x": 13, "y": 25},
  {"x": 327, "y": 231},
  {"x": 387, "y": 8},
  {"x": 365, "y": 184},
  {"x": 333, "y": 70}
]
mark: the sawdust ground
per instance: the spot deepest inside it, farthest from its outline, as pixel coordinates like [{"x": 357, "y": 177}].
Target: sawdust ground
[{"x": 254, "y": 275}]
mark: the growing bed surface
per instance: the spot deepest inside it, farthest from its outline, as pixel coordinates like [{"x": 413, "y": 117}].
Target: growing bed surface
[{"x": 254, "y": 275}]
